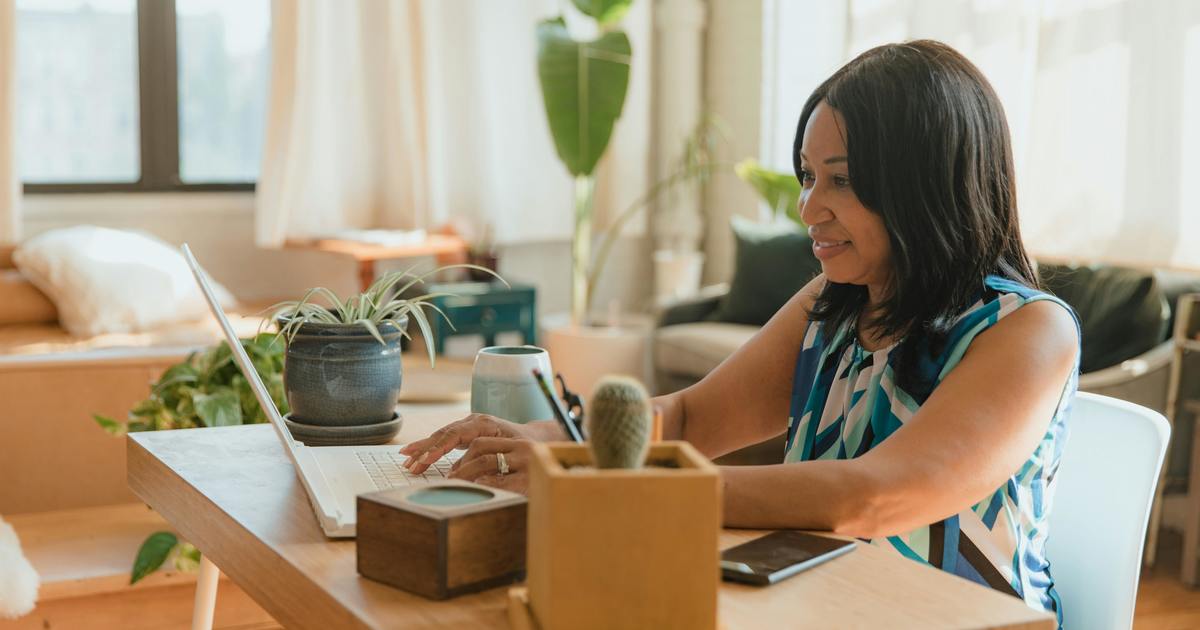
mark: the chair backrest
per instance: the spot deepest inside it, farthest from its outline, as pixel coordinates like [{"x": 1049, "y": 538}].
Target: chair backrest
[{"x": 1106, "y": 482}]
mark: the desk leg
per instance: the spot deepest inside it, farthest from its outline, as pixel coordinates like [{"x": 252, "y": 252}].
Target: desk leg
[{"x": 206, "y": 595}]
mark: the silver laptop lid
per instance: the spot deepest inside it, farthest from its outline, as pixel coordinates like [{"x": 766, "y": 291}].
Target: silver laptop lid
[{"x": 240, "y": 356}]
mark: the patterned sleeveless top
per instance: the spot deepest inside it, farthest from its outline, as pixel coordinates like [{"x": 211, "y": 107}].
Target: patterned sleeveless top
[{"x": 845, "y": 401}]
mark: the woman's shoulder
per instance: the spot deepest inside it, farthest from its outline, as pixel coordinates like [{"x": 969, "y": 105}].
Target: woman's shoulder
[
  {"x": 1002, "y": 297},
  {"x": 1011, "y": 309}
]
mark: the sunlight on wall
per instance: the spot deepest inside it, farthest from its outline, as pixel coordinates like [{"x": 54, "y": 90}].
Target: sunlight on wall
[{"x": 1189, "y": 157}]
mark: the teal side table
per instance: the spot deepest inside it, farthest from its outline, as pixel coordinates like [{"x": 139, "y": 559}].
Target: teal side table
[{"x": 484, "y": 308}]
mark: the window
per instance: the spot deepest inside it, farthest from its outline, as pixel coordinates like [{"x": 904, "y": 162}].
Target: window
[{"x": 141, "y": 95}]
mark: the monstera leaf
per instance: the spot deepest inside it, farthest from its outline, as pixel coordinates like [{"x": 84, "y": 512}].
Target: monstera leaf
[
  {"x": 583, "y": 87},
  {"x": 781, "y": 190},
  {"x": 603, "y": 11}
]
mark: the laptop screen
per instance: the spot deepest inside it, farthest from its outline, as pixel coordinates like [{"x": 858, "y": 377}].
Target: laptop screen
[{"x": 240, "y": 356}]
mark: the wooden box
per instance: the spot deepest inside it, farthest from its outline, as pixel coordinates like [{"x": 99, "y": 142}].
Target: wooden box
[
  {"x": 441, "y": 550},
  {"x": 612, "y": 549}
]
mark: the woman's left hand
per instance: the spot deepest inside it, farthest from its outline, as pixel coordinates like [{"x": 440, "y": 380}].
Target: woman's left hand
[{"x": 499, "y": 462}]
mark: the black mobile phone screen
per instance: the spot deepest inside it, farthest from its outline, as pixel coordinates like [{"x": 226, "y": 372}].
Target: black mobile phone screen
[{"x": 782, "y": 549}]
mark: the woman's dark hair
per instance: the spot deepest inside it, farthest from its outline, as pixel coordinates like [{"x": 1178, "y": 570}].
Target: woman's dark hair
[{"x": 928, "y": 150}]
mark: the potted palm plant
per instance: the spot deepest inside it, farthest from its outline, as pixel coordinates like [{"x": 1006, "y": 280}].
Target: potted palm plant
[{"x": 584, "y": 83}]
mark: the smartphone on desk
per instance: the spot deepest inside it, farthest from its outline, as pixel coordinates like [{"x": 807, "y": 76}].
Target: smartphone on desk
[{"x": 779, "y": 555}]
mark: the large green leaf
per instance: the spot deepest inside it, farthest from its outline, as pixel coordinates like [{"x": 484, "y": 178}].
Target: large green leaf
[
  {"x": 152, "y": 554},
  {"x": 583, "y": 88},
  {"x": 779, "y": 189},
  {"x": 603, "y": 11},
  {"x": 221, "y": 408},
  {"x": 174, "y": 375}
]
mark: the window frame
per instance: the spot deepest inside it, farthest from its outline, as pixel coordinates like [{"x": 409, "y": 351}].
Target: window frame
[{"x": 158, "y": 117}]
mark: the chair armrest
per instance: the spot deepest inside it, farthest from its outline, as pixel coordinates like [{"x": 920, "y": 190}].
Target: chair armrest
[
  {"x": 1148, "y": 362},
  {"x": 693, "y": 308}
]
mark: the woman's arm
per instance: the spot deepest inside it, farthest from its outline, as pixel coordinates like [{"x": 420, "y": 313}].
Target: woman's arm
[
  {"x": 745, "y": 399},
  {"x": 976, "y": 429}
]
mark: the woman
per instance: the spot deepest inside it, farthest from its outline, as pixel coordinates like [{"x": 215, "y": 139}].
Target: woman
[{"x": 922, "y": 379}]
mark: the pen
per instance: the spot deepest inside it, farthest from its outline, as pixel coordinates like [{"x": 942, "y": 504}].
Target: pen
[{"x": 560, "y": 414}]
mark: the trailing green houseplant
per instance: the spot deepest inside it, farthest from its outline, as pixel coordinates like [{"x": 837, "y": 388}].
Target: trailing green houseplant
[
  {"x": 207, "y": 389},
  {"x": 204, "y": 390}
]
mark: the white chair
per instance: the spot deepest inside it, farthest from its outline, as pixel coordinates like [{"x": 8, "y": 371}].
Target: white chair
[{"x": 1106, "y": 482}]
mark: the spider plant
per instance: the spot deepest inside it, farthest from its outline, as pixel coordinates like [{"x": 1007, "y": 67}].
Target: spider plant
[{"x": 372, "y": 309}]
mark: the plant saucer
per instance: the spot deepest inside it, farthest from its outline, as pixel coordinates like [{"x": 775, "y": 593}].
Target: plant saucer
[{"x": 353, "y": 435}]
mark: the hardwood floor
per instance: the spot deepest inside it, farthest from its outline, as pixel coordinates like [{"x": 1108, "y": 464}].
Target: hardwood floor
[
  {"x": 159, "y": 608},
  {"x": 1163, "y": 602}
]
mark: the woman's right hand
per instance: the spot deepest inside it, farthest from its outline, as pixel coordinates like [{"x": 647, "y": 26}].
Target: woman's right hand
[{"x": 423, "y": 453}]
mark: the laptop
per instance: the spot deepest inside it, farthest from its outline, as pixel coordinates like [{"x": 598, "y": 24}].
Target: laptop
[{"x": 333, "y": 476}]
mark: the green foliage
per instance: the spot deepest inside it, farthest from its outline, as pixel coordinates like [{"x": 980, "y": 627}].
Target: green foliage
[
  {"x": 695, "y": 165},
  {"x": 152, "y": 554},
  {"x": 779, "y": 189},
  {"x": 583, "y": 85},
  {"x": 207, "y": 390},
  {"x": 187, "y": 558},
  {"x": 606, "y": 12},
  {"x": 380, "y": 304}
]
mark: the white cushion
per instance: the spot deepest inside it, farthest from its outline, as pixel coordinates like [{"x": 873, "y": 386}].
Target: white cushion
[
  {"x": 18, "y": 580},
  {"x": 113, "y": 281},
  {"x": 695, "y": 349}
]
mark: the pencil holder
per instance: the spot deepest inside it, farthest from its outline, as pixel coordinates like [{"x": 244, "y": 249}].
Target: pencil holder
[{"x": 622, "y": 548}]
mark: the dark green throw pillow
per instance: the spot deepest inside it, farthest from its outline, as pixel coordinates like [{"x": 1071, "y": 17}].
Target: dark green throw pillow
[
  {"x": 1122, "y": 311},
  {"x": 772, "y": 263}
]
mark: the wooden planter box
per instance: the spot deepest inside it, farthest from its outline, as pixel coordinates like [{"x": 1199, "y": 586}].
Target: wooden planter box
[{"x": 615, "y": 549}]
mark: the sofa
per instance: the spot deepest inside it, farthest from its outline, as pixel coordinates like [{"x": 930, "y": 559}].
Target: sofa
[{"x": 1125, "y": 314}]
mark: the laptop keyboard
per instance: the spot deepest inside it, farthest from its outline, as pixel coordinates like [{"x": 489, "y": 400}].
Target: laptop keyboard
[{"x": 387, "y": 471}]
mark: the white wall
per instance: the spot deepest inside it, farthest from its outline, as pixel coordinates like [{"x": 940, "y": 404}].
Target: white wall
[{"x": 220, "y": 229}]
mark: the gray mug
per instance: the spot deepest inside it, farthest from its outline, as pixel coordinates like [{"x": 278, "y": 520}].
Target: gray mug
[{"x": 502, "y": 383}]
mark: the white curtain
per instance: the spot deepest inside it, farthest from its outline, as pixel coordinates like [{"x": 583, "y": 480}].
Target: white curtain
[
  {"x": 1102, "y": 97},
  {"x": 10, "y": 184},
  {"x": 412, "y": 113},
  {"x": 345, "y": 145}
]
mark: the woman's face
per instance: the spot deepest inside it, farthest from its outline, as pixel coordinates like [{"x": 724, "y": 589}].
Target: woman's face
[{"x": 850, "y": 241}]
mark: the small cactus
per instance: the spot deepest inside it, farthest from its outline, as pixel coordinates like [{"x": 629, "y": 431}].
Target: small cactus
[{"x": 618, "y": 423}]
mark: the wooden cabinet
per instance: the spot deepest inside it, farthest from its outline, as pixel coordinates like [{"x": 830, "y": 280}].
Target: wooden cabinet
[{"x": 486, "y": 309}]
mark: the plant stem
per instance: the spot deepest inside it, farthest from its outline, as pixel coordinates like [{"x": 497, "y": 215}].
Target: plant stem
[
  {"x": 613, "y": 231},
  {"x": 581, "y": 246}
]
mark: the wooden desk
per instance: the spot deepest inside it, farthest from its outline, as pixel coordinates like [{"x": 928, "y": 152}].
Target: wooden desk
[
  {"x": 232, "y": 492},
  {"x": 447, "y": 249}
]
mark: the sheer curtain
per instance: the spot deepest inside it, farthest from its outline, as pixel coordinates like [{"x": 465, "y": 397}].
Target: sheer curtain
[
  {"x": 1101, "y": 96},
  {"x": 10, "y": 184},
  {"x": 410, "y": 113},
  {"x": 345, "y": 145}
]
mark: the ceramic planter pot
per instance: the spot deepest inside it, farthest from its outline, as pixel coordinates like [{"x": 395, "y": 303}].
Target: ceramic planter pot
[
  {"x": 584, "y": 354},
  {"x": 340, "y": 375}
]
